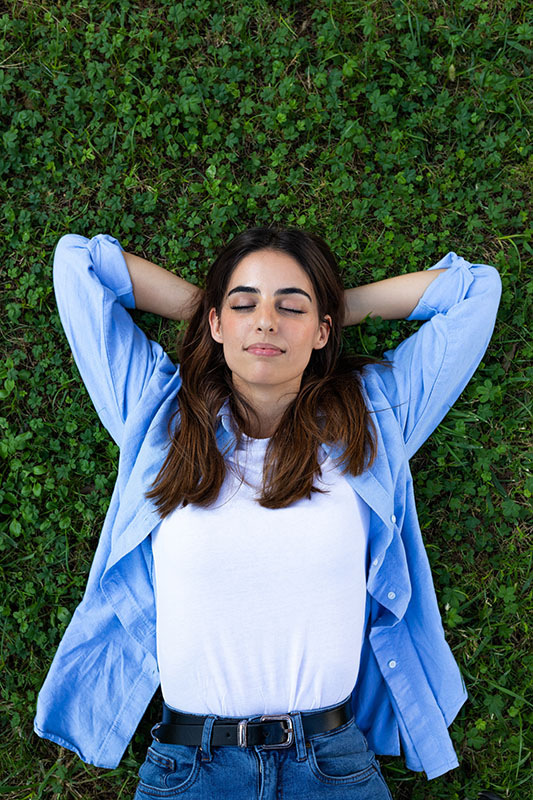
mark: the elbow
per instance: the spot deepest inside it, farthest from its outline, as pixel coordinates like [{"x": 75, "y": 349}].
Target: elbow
[
  {"x": 494, "y": 288},
  {"x": 70, "y": 241},
  {"x": 65, "y": 247},
  {"x": 65, "y": 267},
  {"x": 490, "y": 288},
  {"x": 495, "y": 281}
]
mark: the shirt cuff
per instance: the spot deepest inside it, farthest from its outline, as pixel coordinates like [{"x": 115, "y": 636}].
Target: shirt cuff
[
  {"x": 446, "y": 290},
  {"x": 111, "y": 268}
]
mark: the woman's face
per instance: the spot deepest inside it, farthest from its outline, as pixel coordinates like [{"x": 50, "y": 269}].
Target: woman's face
[{"x": 268, "y": 324}]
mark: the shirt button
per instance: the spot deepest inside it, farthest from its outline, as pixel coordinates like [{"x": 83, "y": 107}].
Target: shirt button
[
  {"x": 391, "y": 595},
  {"x": 375, "y": 562},
  {"x": 392, "y": 664},
  {"x": 393, "y": 518}
]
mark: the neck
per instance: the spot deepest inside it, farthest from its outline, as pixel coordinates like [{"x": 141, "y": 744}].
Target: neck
[{"x": 269, "y": 406}]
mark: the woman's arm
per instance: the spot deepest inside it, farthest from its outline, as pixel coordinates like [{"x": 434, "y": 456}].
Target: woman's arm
[
  {"x": 431, "y": 367},
  {"x": 116, "y": 360},
  {"x": 392, "y": 298},
  {"x": 159, "y": 291}
]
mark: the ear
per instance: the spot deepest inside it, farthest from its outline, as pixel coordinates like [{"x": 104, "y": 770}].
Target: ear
[
  {"x": 214, "y": 324},
  {"x": 323, "y": 333}
]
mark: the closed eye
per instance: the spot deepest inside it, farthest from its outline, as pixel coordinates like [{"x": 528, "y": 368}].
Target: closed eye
[{"x": 247, "y": 307}]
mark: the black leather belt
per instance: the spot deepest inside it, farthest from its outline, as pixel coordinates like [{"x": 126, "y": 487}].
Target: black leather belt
[{"x": 269, "y": 731}]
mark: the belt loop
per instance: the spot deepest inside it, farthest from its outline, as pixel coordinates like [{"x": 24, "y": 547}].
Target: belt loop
[
  {"x": 205, "y": 747},
  {"x": 299, "y": 736}
]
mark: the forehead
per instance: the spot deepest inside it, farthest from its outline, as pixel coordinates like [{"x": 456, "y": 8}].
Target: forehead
[{"x": 269, "y": 270}]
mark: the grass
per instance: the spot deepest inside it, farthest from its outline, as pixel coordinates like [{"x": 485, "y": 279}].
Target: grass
[{"x": 398, "y": 131}]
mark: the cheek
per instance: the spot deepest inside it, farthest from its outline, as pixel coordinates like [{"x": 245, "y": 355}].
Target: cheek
[
  {"x": 233, "y": 331},
  {"x": 307, "y": 339}
]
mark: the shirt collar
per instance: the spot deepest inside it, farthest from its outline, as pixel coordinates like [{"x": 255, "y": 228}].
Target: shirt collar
[{"x": 225, "y": 418}]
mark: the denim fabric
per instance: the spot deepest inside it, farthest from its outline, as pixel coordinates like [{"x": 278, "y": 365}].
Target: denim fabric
[{"x": 336, "y": 764}]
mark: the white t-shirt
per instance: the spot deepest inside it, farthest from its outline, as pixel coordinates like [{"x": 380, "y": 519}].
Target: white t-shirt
[{"x": 261, "y": 611}]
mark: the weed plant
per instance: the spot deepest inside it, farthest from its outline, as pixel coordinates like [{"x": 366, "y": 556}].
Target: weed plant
[{"x": 397, "y": 130}]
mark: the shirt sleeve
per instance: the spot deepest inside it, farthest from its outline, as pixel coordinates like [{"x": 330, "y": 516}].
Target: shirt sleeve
[
  {"x": 431, "y": 368},
  {"x": 116, "y": 360}
]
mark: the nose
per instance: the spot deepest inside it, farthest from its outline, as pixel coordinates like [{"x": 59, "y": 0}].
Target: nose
[{"x": 266, "y": 320}]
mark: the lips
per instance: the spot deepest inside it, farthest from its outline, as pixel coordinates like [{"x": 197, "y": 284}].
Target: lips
[{"x": 264, "y": 349}]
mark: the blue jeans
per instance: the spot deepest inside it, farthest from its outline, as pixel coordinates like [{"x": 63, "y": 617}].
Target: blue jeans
[{"x": 336, "y": 764}]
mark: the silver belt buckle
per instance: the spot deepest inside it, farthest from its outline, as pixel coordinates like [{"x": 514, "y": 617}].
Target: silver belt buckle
[
  {"x": 242, "y": 728},
  {"x": 289, "y": 730},
  {"x": 155, "y": 728}
]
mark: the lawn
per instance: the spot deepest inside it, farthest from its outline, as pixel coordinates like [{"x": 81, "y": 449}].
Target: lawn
[{"x": 396, "y": 130}]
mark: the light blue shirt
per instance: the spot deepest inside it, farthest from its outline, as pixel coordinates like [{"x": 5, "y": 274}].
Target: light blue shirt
[{"x": 105, "y": 672}]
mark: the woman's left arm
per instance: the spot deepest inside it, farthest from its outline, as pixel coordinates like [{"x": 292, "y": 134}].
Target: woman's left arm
[
  {"x": 392, "y": 298},
  {"x": 431, "y": 367}
]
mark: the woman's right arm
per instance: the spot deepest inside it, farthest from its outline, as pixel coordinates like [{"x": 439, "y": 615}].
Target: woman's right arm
[
  {"x": 159, "y": 291},
  {"x": 116, "y": 360}
]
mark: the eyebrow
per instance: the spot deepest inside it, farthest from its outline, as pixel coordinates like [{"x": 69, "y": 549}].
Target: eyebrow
[{"x": 254, "y": 290}]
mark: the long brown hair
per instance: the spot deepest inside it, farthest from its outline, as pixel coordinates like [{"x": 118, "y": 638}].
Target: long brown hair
[{"x": 328, "y": 409}]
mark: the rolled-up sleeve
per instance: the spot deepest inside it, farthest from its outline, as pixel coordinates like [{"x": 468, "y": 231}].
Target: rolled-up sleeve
[
  {"x": 431, "y": 368},
  {"x": 115, "y": 358}
]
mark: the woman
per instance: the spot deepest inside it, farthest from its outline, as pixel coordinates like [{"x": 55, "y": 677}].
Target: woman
[{"x": 261, "y": 555}]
